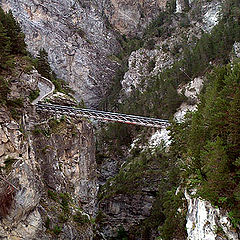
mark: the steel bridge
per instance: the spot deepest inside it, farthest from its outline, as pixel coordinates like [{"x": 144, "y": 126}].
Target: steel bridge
[
  {"x": 101, "y": 115},
  {"x": 46, "y": 88}
]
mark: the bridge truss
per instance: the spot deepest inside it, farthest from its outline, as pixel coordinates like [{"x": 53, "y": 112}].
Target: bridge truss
[{"x": 101, "y": 115}]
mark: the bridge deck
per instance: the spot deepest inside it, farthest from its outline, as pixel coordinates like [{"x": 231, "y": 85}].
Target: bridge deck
[{"x": 101, "y": 115}]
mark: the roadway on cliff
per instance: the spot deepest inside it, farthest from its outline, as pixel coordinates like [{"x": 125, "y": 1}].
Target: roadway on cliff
[{"x": 47, "y": 88}]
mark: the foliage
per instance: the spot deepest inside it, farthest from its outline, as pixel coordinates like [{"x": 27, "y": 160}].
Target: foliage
[
  {"x": 160, "y": 27},
  {"x": 121, "y": 234},
  {"x": 159, "y": 99},
  {"x": 4, "y": 47},
  {"x": 157, "y": 96},
  {"x": 205, "y": 147},
  {"x": 47, "y": 223},
  {"x": 8, "y": 162},
  {"x": 115, "y": 135},
  {"x": 81, "y": 218},
  {"x": 55, "y": 126},
  {"x": 139, "y": 172},
  {"x": 57, "y": 229},
  {"x": 64, "y": 204},
  {"x": 209, "y": 141},
  {"x": 12, "y": 55},
  {"x": 215, "y": 46},
  {"x": 62, "y": 198},
  {"x": 43, "y": 67},
  {"x": 4, "y": 90},
  {"x": 171, "y": 6},
  {"x": 15, "y": 34},
  {"x": 11, "y": 39},
  {"x": 127, "y": 47},
  {"x": 14, "y": 105},
  {"x": 52, "y": 195},
  {"x": 64, "y": 201},
  {"x": 33, "y": 95},
  {"x": 175, "y": 216}
]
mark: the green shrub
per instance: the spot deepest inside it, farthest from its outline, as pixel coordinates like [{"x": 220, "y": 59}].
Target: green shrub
[
  {"x": 53, "y": 195},
  {"x": 121, "y": 234},
  {"x": 11, "y": 40},
  {"x": 175, "y": 216},
  {"x": 43, "y": 67},
  {"x": 47, "y": 223},
  {"x": 171, "y": 6},
  {"x": 81, "y": 218},
  {"x": 63, "y": 217},
  {"x": 15, "y": 106},
  {"x": 33, "y": 94},
  {"x": 57, "y": 230},
  {"x": 4, "y": 90},
  {"x": 65, "y": 199}
]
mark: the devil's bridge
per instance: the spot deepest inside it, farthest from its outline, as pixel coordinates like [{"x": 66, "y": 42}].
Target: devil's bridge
[{"x": 46, "y": 87}]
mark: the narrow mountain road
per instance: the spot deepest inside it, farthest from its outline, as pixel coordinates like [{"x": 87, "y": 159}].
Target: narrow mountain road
[{"x": 46, "y": 88}]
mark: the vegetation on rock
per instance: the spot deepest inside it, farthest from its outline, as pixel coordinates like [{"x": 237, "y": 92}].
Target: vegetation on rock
[
  {"x": 11, "y": 44},
  {"x": 209, "y": 142},
  {"x": 43, "y": 67},
  {"x": 204, "y": 153}
]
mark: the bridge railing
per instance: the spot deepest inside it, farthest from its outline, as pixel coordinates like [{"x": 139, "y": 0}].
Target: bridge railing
[
  {"x": 46, "y": 88},
  {"x": 101, "y": 115}
]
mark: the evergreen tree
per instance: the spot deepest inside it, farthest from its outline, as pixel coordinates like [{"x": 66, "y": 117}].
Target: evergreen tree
[
  {"x": 210, "y": 143},
  {"x": 4, "y": 90},
  {"x": 2, "y": 15},
  {"x": 16, "y": 36},
  {"x": 13, "y": 31},
  {"x": 5, "y": 46},
  {"x": 43, "y": 65}
]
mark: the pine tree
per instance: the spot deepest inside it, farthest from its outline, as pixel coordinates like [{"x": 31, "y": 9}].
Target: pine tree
[
  {"x": 4, "y": 90},
  {"x": 43, "y": 65},
  {"x": 13, "y": 31},
  {"x": 18, "y": 45},
  {"x": 211, "y": 149},
  {"x": 5, "y": 46},
  {"x": 2, "y": 15}
]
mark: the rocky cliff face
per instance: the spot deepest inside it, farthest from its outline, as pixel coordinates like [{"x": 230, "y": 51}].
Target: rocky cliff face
[
  {"x": 76, "y": 38},
  {"x": 125, "y": 210},
  {"x": 51, "y": 163},
  {"x": 207, "y": 222},
  {"x": 191, "y": 20},
  {"x": 79, "y": 39},
  {"x": 144, "y": 63},
  {"x": 131, "y": 17}
]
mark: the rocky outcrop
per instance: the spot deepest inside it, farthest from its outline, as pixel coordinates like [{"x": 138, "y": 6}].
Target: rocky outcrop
[
  {"x": 126, "y": 211},
  {"x": 79, "y": 38},
  {"x": 131, "y": 17},
  {"x": 207, "y": 222},
  {"x": 144, "y": 63},
  {"x": 62, "y": 99},
  {"x": 191, "y": 91},
  {"x": 76, "y": 38},
  {"x": 48, "y": 183}
]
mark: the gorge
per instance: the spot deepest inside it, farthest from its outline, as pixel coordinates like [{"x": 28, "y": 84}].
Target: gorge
[{"x": 76, "y": 178}]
